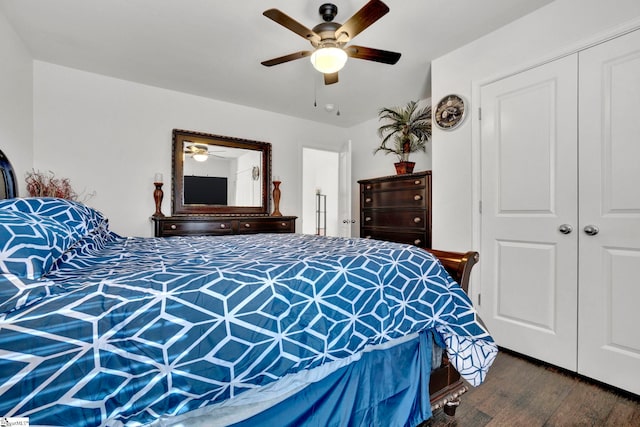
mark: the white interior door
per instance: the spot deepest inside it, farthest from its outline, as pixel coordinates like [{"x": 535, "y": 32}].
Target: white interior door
[
  {"x": 344, "y": 191},
  {"x": 609, "y": 341},
  {"x": 529, "y": 181}
]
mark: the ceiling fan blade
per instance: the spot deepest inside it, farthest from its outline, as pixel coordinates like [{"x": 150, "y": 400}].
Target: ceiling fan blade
[
  {"x": 293, "y": 25},
  {"x": 286, "y": 58},
  {"x": 330, "y": 78},
  {"x": 370, "y": 54},
  {"x": 361, "y": 20}
]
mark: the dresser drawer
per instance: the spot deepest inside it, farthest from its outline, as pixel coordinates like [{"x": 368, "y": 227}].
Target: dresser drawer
[
  {"x": 398, "y": 198},
  {"x": 215, "y": 226},
  {"x": 204, "y": 227},
  {"x": 271, "y": 225},
  {"x": 420, "y": 239},
  {"x": 411, "y": 182},
  {"x": 394, "y": 218}
]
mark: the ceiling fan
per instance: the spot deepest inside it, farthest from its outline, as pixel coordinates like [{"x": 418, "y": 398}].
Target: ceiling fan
[
  {"x": 329, "y": 39},
  {"x": 200, "y": 152}
]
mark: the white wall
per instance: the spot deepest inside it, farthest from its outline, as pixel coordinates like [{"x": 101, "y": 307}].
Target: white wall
[
  {"x": 111, "y": 136},
  {"x": 546, "y": 33},
  {"x": 16, "y": 102}
]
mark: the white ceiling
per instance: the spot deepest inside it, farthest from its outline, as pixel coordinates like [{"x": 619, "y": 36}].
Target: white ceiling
[{"x": 214, "y": 48}]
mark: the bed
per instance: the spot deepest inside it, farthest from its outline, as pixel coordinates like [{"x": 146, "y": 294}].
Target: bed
[
  {"x": 101, "y": 330},
  {"x": 8, "y": 187}
]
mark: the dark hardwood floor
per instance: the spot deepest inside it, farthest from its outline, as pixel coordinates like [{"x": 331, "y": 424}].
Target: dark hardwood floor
[{"x": 520, "y": 392}]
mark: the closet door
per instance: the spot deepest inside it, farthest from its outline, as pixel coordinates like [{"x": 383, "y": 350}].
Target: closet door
[
  {"x": 529, "y": 211},
  {"x": 609, "y": 269}
]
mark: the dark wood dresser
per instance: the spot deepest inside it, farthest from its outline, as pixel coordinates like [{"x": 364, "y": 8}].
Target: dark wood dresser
[
  {"x": 397, "y": 208},
  {"x": 220, "y": 225}
]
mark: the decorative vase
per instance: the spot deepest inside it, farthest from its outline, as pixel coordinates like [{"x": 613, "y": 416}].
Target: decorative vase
[
  {"x": 158, "y": 195},
  {"x": 276, "y": 199},
  {"x": 403, "y": 168}
]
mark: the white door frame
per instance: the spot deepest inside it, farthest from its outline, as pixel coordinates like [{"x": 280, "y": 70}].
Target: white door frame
[
  {"x": 624, "y": 374},
  {"x": 344, "y": 203},
  {"x": 474, "y": 117}
]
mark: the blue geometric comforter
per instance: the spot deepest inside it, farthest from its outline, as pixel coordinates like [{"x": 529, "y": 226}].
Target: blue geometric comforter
[{"x": 132, "y": 329}]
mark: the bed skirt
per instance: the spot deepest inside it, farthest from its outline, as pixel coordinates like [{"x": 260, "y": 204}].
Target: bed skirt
[{"x": 385, "y": 387}]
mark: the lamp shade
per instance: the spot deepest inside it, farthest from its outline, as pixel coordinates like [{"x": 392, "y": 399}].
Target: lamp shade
[
  {"x": 200, "y": 157},
  {"x": 328, "y": 60}
]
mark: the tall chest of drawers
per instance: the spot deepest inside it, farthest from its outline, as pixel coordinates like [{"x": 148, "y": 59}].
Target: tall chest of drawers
[{"x": 397, "y": 208}]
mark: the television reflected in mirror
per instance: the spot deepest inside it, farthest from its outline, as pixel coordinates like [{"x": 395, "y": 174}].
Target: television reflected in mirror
[
  {"x": 205, "y": 190},
  {"x": 218, "y": 175}
]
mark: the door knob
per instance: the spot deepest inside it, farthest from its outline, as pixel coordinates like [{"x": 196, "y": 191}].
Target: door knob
[
  {"x": 591, "y": 230},
  {"x": 565, "y": 228}
]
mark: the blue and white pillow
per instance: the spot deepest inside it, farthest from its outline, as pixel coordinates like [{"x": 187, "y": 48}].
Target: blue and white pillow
[
  {"x": 37, "y": 235},
  {"x": 31, "y": 243},
  {"x": 89, "y": 245},
  {"x": 83, "y": 218}
]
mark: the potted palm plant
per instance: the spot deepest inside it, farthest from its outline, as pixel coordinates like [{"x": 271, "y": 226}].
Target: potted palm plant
[{"x": 406, "y": 130}]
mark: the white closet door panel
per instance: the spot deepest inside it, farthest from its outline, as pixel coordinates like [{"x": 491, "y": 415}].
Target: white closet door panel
[
  {"x": 609, "y": 339},
  {"x": 529, "y": 180},
  {"x": 524, "y": 298}
]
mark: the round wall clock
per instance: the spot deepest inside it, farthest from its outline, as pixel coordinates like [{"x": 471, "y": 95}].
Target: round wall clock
[{"x": 450, "y": 112}]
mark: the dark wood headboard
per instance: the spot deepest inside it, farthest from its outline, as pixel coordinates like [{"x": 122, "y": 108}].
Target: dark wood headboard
[
  {"x": 8, "y": 187},
  {"x": 458, "y": 264}
]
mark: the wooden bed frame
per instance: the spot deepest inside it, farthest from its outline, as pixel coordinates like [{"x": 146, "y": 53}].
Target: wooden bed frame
[
  {"x": 445, "y": 385},
  {"x": 8, "y": 187}
]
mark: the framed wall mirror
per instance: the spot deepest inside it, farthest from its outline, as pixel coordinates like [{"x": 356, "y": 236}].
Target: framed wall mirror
[{"x": 219, "y": 175}]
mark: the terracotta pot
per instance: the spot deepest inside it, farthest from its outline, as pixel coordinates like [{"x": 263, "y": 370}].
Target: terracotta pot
[{"x": 404, "y": 167}]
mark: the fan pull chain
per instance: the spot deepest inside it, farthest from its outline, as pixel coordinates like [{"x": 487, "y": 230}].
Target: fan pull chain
[{"x": 315, "y": 92}]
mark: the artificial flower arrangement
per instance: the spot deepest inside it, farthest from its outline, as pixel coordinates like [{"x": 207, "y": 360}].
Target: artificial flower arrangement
[{"x": 41, "y": 184}]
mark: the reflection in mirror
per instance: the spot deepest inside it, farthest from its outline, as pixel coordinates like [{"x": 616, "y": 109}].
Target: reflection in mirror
[{"x": 219, "y": 175}]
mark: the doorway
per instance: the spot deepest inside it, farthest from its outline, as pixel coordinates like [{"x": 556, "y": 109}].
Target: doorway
[
  {"x": 560, "y": 215},
  {"x": 327, "y": 173},
  {"x": 320, "y": 191}
]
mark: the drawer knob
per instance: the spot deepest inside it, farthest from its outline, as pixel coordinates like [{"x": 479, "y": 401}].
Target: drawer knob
[
  {"x": 284, "y": 224},
  {"x": 417, "y": 197},
  {"x": 367, "y": 219},
  {"x": 247, "y": 225},
  {"x": 223, "y": 226},
  {"x": 417, "y": 182},
  {"x": 367, "y": 200},
  {"x": 417, "y": 242},
  {"x": 417, "y": 220},
  {"x": 368, "y": 187},
  {"x": 173, "y": 226}
]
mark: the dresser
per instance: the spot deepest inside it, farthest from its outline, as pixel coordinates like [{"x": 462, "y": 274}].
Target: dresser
[
  {"x": 397, "y": 208},
  {"x": 222, "y": 225}
]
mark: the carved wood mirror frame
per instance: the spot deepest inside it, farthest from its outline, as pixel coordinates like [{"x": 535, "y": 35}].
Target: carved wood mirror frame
[{"x": 178, "y": 205}]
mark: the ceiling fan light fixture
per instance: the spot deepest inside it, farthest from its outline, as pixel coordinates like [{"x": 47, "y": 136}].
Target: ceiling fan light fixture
[
  {"x": 200, "y": 157},
  {"x": 328, "y": 60},
  {"x": 199, "y": 152}
]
